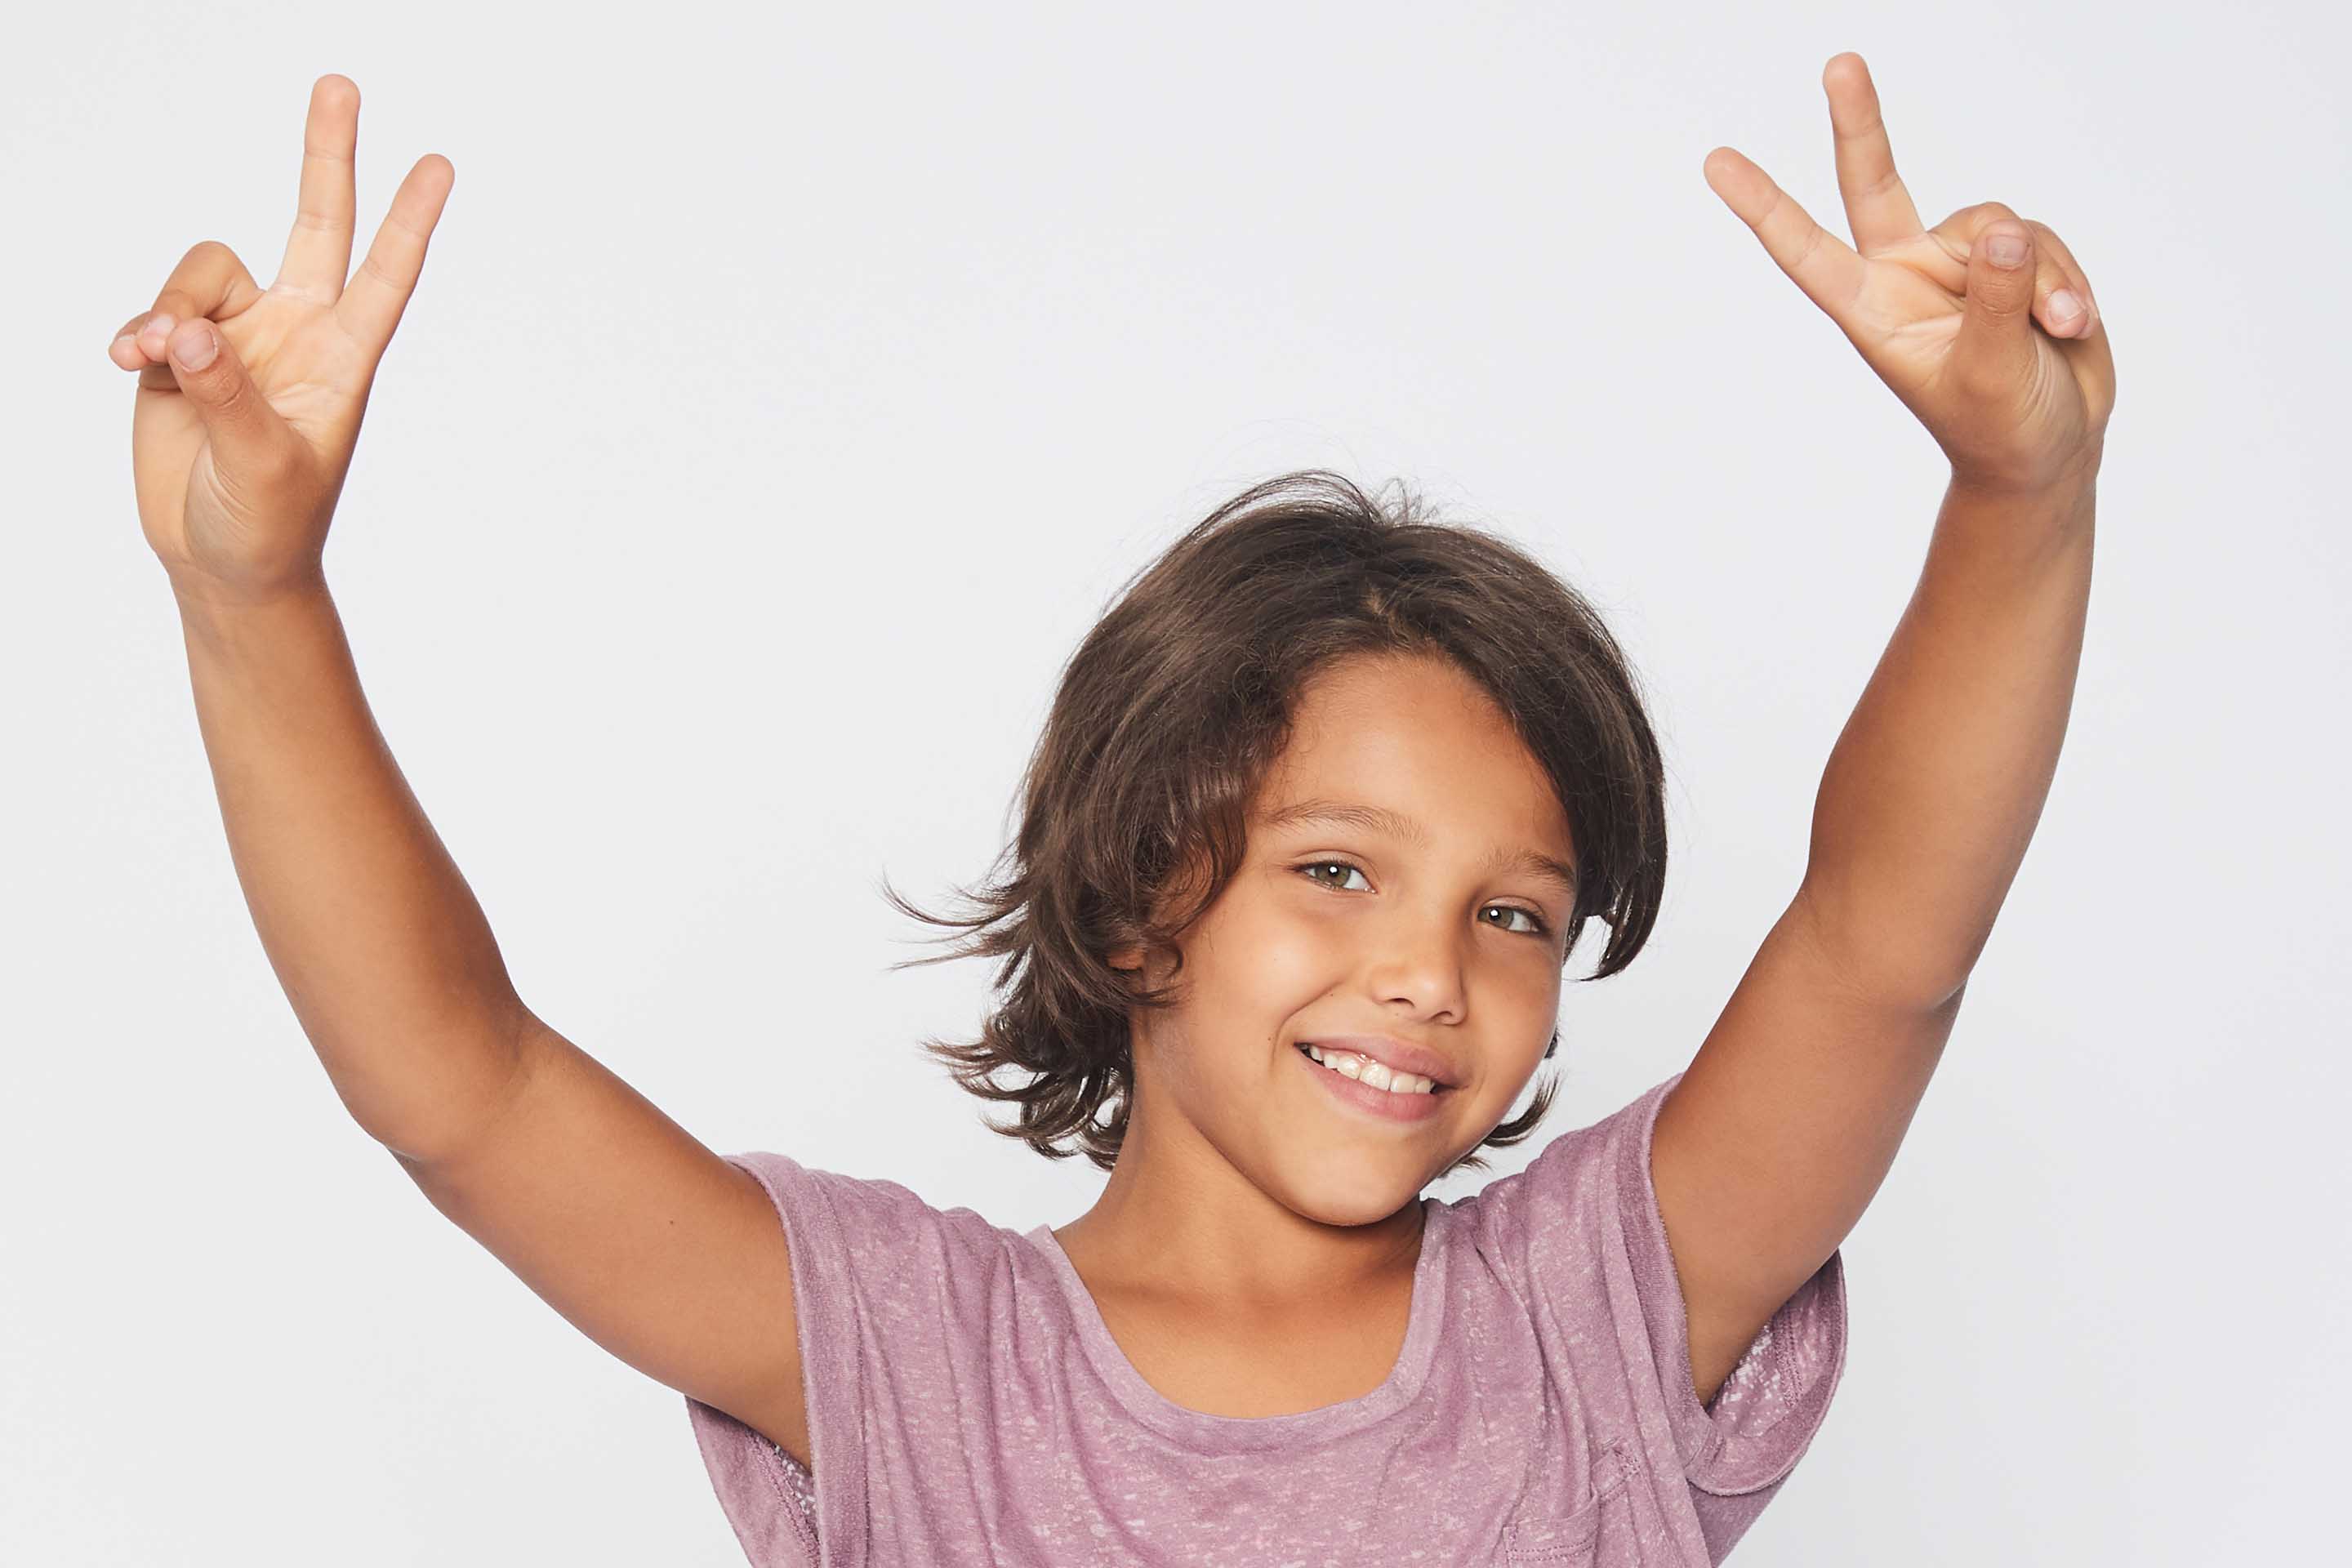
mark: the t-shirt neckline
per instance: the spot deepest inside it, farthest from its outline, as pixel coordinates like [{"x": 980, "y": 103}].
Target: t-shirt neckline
[{"x": 1229, "y": 1434}]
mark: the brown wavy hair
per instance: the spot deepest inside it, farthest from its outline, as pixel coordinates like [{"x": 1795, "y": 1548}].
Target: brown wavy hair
[{"x": 1170, "y": 716}]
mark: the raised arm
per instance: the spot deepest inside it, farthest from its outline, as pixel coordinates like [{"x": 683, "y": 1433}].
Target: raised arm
[
  {"x": 662, "y": 1252},
  {"x": 380, "y": 946},
  {"x": 1788, "y": 1118}
]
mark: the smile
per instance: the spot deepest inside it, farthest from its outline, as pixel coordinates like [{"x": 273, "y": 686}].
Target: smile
[{"x": 1383, "y": 1104}]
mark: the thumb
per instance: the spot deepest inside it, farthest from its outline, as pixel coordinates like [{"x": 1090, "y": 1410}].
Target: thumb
[
  {"x": 1996, "y": 339},
  {"x": 248, "y": 436}
]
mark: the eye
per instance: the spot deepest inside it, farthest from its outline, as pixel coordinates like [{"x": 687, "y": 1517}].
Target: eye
[
  {"x": 1340, "y": 866},
  {"x": 1536, "y": 925}
]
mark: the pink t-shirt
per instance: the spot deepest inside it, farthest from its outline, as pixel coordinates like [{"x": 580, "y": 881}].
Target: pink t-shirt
[{"x": 968, "y": 1405}]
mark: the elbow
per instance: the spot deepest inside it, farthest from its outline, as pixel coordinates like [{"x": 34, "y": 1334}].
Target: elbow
[{"x": 1900, "y": 958}]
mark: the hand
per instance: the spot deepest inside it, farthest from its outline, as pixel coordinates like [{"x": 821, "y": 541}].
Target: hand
[
  {"x": 2017, "y": 410},
  {"x": 237, "y": 461}
]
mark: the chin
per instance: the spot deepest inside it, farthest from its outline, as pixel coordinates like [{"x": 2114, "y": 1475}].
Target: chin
[{"x": 1354, "y": 1192}]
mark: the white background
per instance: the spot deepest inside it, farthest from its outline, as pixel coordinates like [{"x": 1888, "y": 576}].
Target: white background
[{"x": 786, "y": 392}]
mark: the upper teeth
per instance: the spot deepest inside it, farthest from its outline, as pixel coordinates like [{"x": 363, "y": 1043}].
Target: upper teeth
[{"x": 1363, "y": 1069}]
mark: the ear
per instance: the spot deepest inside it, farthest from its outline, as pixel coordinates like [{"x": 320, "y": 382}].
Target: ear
[{"x": 1128, "y": 957}]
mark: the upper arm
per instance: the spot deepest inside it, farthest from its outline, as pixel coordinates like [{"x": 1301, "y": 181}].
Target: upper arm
[
  {"x": 650, "y": 1244},
  {"x": 1782, "y": 1130}
]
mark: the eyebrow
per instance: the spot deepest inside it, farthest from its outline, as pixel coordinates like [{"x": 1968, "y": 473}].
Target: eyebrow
[{"x": 1397, "y": 825}]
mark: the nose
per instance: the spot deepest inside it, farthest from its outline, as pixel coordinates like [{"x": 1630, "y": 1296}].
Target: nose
[{"x": 1419, "y": 964}]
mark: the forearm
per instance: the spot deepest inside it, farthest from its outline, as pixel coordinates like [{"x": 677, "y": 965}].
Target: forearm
[
  {"x": 379, "y": 944},
  {"x": 1934, "y": 788}
]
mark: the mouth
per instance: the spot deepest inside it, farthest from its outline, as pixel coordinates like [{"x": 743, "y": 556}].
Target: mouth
[
  {"x": 1378, "y": 1103},
  {"x": 1308, "y": 1048}
]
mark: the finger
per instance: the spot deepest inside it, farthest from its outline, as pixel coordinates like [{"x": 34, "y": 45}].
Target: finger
[
  {"x": 1995, "y": 347},
  {"x": 379, "y": 291},
  {"x": 124, "y": 351},
  {"x": 2053, "y": 268},
  {"x": 2057, "y": 304},
  {"x": 252, "y": 444},
  {"x": 209, "y": 281},
  {"x": 319, "y": 251},
  {"x": 1877, "y": 204},
  {"x": 1817, "y": 260},
  {"x": 2058, "y": 262}
]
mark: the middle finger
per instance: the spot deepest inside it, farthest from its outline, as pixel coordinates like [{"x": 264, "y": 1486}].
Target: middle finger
[
  {"x": 318, "y": 253},
  {"x": 1877, "y": 203}
]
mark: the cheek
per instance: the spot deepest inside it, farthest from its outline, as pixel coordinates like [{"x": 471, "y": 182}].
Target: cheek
[
  {"x": 1278, "y": 952},
  {"x": 1527, "y": 1001},
  {"x": 1254, "y": 962},
  {"x": 1531, "y": 986}
]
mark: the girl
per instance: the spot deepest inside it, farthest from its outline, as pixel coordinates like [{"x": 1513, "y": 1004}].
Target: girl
[{"x": 1321, "y": 809}]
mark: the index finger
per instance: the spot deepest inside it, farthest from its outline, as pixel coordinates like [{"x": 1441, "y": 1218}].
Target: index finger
[
  {"x": 318, "y": 252},
  {"x": 1817, "y": 261}
]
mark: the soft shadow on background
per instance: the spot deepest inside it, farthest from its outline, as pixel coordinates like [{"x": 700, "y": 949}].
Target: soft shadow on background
[{"x": 782, "y": 399}]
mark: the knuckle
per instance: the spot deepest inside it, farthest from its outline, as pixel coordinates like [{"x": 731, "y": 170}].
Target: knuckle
[
  {"x": 202, "y": 271},
  {"x": 236, "y": 398},
  {"x": 1884, "y": 182},
  {"x": 370, "y": 266}
]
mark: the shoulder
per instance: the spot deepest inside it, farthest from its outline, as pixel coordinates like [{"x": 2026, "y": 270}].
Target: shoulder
[
  {"x": 1577, "y": 1187},
  {"x": 866, "y": 1233},
  {"x": 858, "y": 1201}
]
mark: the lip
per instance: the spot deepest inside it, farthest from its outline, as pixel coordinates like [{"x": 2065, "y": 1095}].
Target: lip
[
  {"x": 1394, "y": 1055},
  {"x": 1378, "y": 1103}
]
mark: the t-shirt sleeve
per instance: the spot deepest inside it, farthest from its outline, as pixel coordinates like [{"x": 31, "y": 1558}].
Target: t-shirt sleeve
[
  {"x": 882, "y": 1281},
  {"x": 1586, "y": 1225}
]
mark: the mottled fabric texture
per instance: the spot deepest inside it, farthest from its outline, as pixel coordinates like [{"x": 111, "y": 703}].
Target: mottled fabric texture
[{"x": 968, "y": 1405}]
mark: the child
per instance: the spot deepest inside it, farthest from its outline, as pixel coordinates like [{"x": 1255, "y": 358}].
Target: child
[{"x": 1321, "y": 808}]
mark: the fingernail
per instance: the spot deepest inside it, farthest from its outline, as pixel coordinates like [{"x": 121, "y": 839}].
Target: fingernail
[
  {"x": 196, "y": 351},
  {"x": 157, "y": 330},
  {"x": 2065, "y": 306},
  {"x": 2006, "y": 249}
]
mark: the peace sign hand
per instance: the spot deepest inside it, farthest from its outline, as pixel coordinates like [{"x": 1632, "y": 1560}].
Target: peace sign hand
[
  {"x": 2016, "y": 410},
  {"x": 240, "y": 436}
]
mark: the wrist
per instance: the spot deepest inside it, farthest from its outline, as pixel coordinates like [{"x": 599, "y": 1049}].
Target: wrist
[
  {"x": 235, "y": 628},
  {"x": 2071, "y": 486},
  {"x": 201, "y": 594}
]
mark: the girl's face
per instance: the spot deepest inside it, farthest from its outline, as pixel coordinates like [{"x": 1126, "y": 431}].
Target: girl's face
[{"x": 1423, "y": 912}]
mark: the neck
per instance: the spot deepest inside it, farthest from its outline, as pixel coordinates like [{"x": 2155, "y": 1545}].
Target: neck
[{"x": 1179, "y": 1222}]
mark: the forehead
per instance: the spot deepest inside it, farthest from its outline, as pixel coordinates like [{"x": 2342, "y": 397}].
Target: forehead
[{"x": 1418, "y": 737}]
